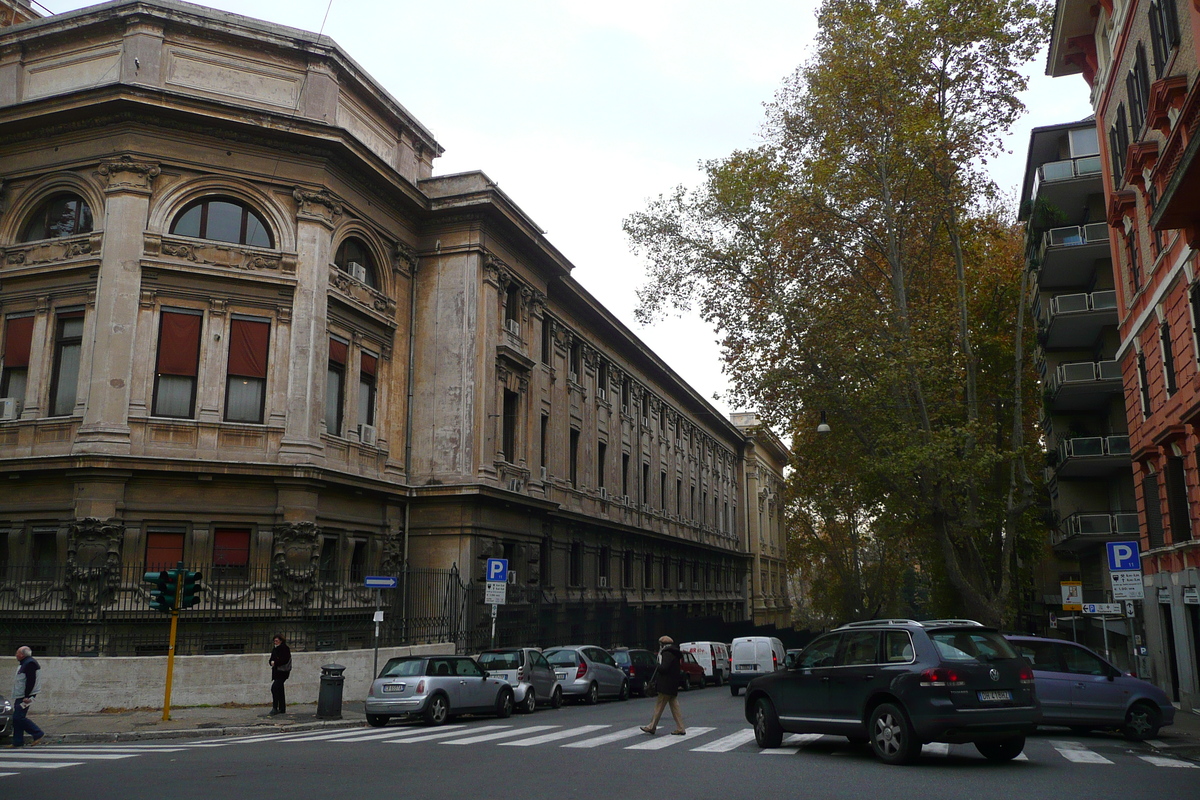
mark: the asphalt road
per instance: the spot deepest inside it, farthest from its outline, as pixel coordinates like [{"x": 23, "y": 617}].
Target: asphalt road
[{"x": 584, "y": 752}]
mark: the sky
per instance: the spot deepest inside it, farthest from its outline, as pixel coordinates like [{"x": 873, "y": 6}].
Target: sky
[{"x": 583, "y": 112}]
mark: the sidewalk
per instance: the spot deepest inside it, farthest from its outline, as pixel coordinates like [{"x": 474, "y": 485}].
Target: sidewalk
[{"x": 190, "y": 723}]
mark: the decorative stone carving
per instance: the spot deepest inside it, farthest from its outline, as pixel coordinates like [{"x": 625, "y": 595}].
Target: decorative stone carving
[
  {"x": 93, "y": 563},
  {"x": 219, "y": 255},
  {"x": 405, "y": 257},
  {"x": 47, "y": 252},
  {"x": 295, "y": 564},
  {"x": 127, "y": 175},
  {"x": 392, "y": 560},
  {"x": 496, "y": 271},
  {"x": 321, "y": 205}
]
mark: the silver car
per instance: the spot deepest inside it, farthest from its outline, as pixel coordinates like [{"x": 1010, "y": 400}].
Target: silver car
[
  {"x": 6, "y": 712},
  {"x": 435, "y": 688},
  {"x": 586, "y": 672},
  {"x": 527, "y": 672}
]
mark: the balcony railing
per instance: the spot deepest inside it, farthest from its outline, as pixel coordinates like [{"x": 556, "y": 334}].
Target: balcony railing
[
  {"x": 1073, "y": 236},
  {"x": 1065, "y": 170},
  {"x": 1080, "y": 303},
  {"x": 1083, "y": 372},
  {"x": 1097, "y": 525},
  {"x": 1093, "y": 447}
]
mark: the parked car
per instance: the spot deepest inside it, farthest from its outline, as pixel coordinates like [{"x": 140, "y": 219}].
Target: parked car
[
  {"x": 691, "y": 673},
  {"x": 899, "y": 684},
  {"x": 587, "y": 673},
  {"x": 527, "y": 672},
  {"x": 753, "y": 656},
  {"x": 1081, "y": 690},
  {"x": 638, "y": 666},
  {"x": 435, "y": 688},
  {"x": 713, "y": 657},
  {"x": 6, "y": 712}
]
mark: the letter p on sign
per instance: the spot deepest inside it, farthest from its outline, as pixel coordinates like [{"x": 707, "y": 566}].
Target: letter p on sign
[
  {"x": 497, "y": 570},
  {"x": 1124, "y": 556}
]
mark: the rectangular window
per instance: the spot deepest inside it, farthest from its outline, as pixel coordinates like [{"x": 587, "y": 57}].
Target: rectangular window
[
  {"x": 327, "y": 560},
  {"x": 725, "y": 526},
  {"x": 547, "y": 339},
  {"x": 576, "y": 565},
  {"x": 1154, "y": 526},
  {"x": 512, "y": 306},
  {"x": 1135, "y": 259},
  {"x": 18, "y": 338},
  {"x": 1177, "y": 501},
  {"x": 1194, "y": 304},
  {"x": 602, "y": 380},
  {"x": 679, "y": 497},
  {"x": 1084, "y": 142},
  {"x": 627, "y": 570},
  {"x": 545, "y": 434},
  {"x": 648, "y": 571},
  {"x": 1118, "y": 143},
  {"x": 601, "y": 460},
  {"x": 662, "y": 490},
  {"x": 509, "y": 430},
  {"x": 368, "y": 364},
  {"x": 43, "y": 554},
  {"x": 575, "y": 362},
  {"x": 68, "y": 343},
  {"x": 695, "y": 575},
  {"x": 164, "y": 549},
  {"x": 358, "y": 561},
  {"x": 603, "y": 563},
  {"x": 574, "y": 459},
  {"x": 545, "y": 565},
  {"x": 231, "y": 552},
  {"x": 625, "y": 395},
  {"x": 644, "y": 498},
  {"x": 625, "y": 474},
  {"x": 178, "y": 361},
  {"x": 1164, "y": 33},
  {"x": 645, "y": 406},
  {"x": 665, "y": 570},
  {"x": 1168, "y": 357},
  {"x": 692, "y": 504},
  {"x": 246, "y": 383},
  {"x": 335, "y": 385},
  {"x": 1143, "y": 384}
]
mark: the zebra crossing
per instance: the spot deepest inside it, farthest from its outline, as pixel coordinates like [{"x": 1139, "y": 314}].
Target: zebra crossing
[
  {"x": 697, "y": 740},
  {"x": 15, "y": 761}
]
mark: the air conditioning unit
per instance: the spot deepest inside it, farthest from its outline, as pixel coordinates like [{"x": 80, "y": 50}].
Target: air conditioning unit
[
  {"x": 603, "y": 582},
  {"x": 603, "y": 493},
  {"x": 574, "y": 377},
  {"x": 513, "y": 327},
  {"x": 603, "y": 395},
  {"x": 10, "y": 408},
  {"x": 545, "y": 474},
  {"x": 357, "y": 271},
  {"x": 516, "y": 485},
  {"x": 366, "y": 434}
]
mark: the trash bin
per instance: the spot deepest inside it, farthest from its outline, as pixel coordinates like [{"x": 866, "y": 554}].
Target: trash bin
[{"x": 329, "y": 701}]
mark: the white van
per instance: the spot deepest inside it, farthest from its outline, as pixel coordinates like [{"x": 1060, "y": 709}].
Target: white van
[
  {"x": 753, "y": 656},
  {"x": 713, "y": 656}
]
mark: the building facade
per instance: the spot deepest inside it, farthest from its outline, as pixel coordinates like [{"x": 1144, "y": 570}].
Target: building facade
[
  {"x": 1139, "y": 58},
  {"x": 246, "y": 327}
]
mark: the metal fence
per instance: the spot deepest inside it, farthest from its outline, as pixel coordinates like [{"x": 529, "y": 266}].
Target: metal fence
[{"x": 104, "y": 610}]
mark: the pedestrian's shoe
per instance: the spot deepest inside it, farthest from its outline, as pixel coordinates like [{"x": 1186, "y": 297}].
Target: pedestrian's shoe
[
  {"x": 273, "y": 712},
  {"x": 648, "y": 729},
  {"x": 678, "y": 733},
  {"x": 38, "y": 740}
]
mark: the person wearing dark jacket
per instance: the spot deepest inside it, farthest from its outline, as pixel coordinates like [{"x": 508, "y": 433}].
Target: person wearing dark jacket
[
  {"x": 281, "y": 668},
  {"x": 25, "y": 689},
  {"x": 666, "y": 681}
]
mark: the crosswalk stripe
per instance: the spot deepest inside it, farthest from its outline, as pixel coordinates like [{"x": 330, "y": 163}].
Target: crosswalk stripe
[
  {"x": 792, "y": 744},
  {"x": 487, "y": 737},
  {"x": 72, "y": 748},
  {"x": 661, "y": 742},
  {"x": 324, "y": 736},
  {"x": 4, "y": 757},
  {"x": 391, "y": 733},
  {"x": 935, "y": 749},
  {"x": 1163, "y": 761},
  {"x": 726, "y": 743},
  {"x": 40, "y": 764},
  {"x": 1021, "y": 757},
  {"x": 557, "y": 736},
  {"x": 615, "y": 736},
  {"x": 458, "y": 731},
  {"x": 6, "y": 774},
  {"x": 1077, "y": 753}
]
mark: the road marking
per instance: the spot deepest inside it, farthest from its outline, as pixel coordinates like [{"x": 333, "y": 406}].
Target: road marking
[
  {"x": 1162, "y": 761},
  {"x": 322, "y": 735},
  {"x": 570, "y": 733},
  {"x": 727, "y": 743},
  {"x": 615, "y": 736},
  {"x": 792, "y": 744},
  {"x": 73, "y": 754},
  {"x": 935, "y": 749},
  {"x": 661, "y": 742},
  {"x": 1021, "y": 757},
  {"x": 391, "y": 733},
  {"x": 40, "y": 764},
  {"x": 487, "y": 737},
  {"x": 458, "y": 731},
  {"x": 1158, "y": 744},
  {"x": 6, "y": 774},
  {"x": 1077, "y": 753},
  {"x": 133, "y": 751}
]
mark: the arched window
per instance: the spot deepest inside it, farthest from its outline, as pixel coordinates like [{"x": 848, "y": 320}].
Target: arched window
[
  {"x": 354, "y": 257},
  {"x": 223, "y": 219},
  {"x": 63, "y": 214}
]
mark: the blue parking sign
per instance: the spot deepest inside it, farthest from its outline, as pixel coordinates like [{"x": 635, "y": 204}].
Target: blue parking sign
[
  {"x": 497, "y": 570},
  {"x": 1124, "y": 557}
]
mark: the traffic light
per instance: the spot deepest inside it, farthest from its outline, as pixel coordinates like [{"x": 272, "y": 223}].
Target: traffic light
[
  {"x": 190, "y": 590},
  {"x": 166, "y": 582}
]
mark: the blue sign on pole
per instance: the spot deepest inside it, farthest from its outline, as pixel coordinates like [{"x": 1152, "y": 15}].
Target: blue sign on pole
[
  {"x": 379, "y": 582},
  {"x": 1124, "y": 557},
  {"x": 497, "y": 570}
]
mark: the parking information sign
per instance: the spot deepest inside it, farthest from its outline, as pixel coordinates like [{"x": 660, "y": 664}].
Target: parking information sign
[
  {"x": 1072, "y": 595},
  {"x": 1127, "y": 586},
  {"x": 497, "y": 570},
  {"x": 1102, "y": 608},
  {"x": 495, "y": 593},
  {"x": 1124, "y": 557}
]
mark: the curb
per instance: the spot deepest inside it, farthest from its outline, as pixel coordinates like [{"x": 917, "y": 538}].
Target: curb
[{"x": 203, "y": 733}]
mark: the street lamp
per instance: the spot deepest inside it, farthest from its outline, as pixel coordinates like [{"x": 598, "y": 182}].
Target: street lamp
[{"x": 823, "y": 427}]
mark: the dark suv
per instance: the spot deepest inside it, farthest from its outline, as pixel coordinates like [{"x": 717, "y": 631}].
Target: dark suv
[{"x": 897, "y": 684}]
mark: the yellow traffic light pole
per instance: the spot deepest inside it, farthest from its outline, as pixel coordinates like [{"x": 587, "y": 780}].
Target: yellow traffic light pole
[{"x": 171, "y": 648}]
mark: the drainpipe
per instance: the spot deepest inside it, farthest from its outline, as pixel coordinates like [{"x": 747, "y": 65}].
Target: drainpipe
[{"x": 408, "y": 422}]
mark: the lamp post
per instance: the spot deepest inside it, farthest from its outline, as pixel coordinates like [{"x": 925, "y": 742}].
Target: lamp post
[{"x": 823, "y": 427}]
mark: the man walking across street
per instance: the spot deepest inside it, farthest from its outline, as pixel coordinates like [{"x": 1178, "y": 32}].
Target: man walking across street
[
  {"x": 24, "y": 690},
  {"x": 666, "y": 681}
]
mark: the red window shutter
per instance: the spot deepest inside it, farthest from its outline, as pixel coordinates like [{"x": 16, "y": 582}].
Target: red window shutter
[
  {"x": 337, "y": 352},
  {"x": 231, "y": 548},
  {"x": 368, "y": 365},
  {"x": 179, "y": 344},
  {"x": 163, "y": 550},
  {"x": 17, "y": 337},
  {"x": 248, "y": 341}
]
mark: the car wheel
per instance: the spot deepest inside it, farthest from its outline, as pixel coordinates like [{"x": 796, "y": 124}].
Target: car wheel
[
  {"x": 530, "y": 704},
  {"x": 733, "y": 690},
  {"x": 556, "y": 698},
  {"x": 504, "y": 704},
  {"x": 892, "y": 735},
  {"x": 1001, "y": 749},
  {"x": 686, "y": 683},
  {"x": 1141, "y": 723},
  {"x": 593, "y": 694},
  {"x": 624, "y": 693},
  {"x": 437, "y": 711},
  {"x": 767, "y": 732},
  {"x": 377, "y": 720}
]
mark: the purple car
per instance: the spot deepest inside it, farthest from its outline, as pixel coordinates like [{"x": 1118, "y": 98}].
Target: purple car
[{"x": 1082, "y": 691}]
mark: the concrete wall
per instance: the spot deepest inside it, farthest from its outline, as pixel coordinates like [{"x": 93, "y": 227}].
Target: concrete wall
[{"x": 80, "y": 685}]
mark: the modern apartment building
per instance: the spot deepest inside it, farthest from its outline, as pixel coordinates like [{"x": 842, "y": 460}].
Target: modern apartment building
[
  {"x": 1139, "y": 61},
  {"x": 243, "y": 325}
]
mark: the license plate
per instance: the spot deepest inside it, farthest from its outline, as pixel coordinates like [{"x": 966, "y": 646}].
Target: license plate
[
  {"x": 562, "y": 676},
  {"x": 986, "y": 697},
  {"x": 748, "y": 666},
  {"x": 389, "y": 688}
]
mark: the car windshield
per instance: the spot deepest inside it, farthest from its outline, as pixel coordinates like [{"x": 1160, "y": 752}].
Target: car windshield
[
  {"x": 562, "y": 658},
  {"x": 971, "y": 645},
  {"x": 621, "y": 657},
  {"x": 495, "y": 661},
  {"x": 403, "y": 668}
]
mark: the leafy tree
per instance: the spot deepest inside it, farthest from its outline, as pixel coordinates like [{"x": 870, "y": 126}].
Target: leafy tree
[{"x": 858, "y": 262}]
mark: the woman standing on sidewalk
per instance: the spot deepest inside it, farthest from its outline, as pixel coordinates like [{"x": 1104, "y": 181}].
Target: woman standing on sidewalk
[{"x": 281, "y": 668}]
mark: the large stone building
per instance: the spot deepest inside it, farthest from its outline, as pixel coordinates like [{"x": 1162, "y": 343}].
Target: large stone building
[
  {"x": 1140, "y": 61},
  {"x": 246, "y": 327}
]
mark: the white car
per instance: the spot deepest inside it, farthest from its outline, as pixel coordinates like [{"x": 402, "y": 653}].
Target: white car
[
  {"x": 713, "y": 657},
  {"x": 753, "y": 656}
]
